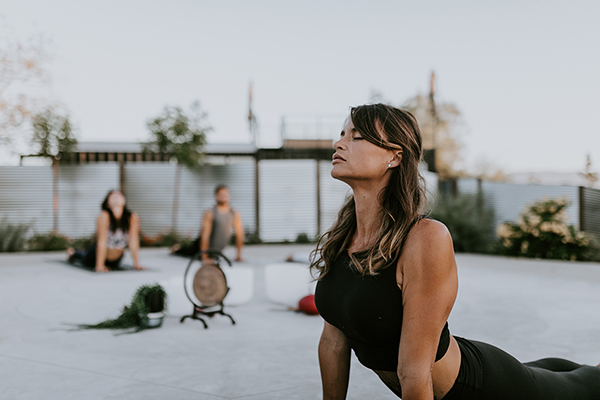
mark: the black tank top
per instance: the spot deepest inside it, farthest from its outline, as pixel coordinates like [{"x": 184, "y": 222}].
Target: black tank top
[{"x": 368, "y": 310}]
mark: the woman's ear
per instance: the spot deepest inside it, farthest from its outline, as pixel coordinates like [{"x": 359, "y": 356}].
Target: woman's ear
[{"x": 397, "y": 154}]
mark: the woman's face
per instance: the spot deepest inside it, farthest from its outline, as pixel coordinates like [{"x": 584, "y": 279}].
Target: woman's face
[
  {"x": 116, "y": 200},
  {"x": 356, "y": 158}
]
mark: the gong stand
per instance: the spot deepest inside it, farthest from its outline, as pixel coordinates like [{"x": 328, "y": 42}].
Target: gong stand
[{"x": 210, "y": 287}]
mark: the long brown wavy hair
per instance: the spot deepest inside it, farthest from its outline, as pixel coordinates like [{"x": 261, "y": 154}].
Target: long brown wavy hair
[{"x": 403, "y": 200}]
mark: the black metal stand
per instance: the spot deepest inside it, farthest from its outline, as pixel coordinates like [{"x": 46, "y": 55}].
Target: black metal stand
[{"x": 199, "y": 310}]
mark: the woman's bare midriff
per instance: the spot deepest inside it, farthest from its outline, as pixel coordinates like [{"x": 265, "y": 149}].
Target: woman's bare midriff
[
  {"x": 443, "y": 374},
  {"x": 114, "y": 254}
]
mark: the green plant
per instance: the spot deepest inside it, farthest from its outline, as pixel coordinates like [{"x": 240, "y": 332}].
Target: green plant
[
  {"x": 302, "y": 238},
  {"x": 53, "y": 135},
  {"x": 52, "y": 241},
  {"x": 84, "y": 242},
  {"x": 13, "y": 237},
  {"x": 252, "y": 237},
  {"x": 179, "y": 133},
  {"x": 147, "y": 299},
  {"x": 470, "y": 222},
  {"x": 542, "y": 232}
]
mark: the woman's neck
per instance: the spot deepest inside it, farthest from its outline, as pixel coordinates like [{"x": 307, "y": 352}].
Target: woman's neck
[
  {"x": 117, "y": 213},
  {"x": 368, "y": 216}
]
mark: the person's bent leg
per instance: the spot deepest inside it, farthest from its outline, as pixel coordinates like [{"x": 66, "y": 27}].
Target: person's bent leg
[
  {"x": 504, "y": 377},
  {"x": 189, "y": 250},
  {"x": 554, "y": 364},
  {"x": 89, "y": 259}
]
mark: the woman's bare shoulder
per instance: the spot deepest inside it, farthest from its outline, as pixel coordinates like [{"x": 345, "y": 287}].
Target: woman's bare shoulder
[
  {"x": 427, "y": 240},
  {"x": 104, "y": 216},
  {"x": 429, "y": 230}
]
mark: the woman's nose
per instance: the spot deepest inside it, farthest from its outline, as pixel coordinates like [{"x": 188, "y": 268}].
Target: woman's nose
[{"x": 337, "y": 145}]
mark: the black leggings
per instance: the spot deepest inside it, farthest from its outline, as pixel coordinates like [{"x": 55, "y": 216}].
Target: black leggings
[
  {"x": 88, "y": 259},
  {"x": 488, "y": 373}
]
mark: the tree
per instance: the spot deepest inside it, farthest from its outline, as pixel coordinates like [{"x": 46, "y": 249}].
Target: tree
[
  {"x": 439, "y": 123},
  {"x": 53, "y": 138},
  {"x": 52, "y": 135},
  {"x": 590, "y": 177},
  {"x": 22, "y": 66},
  {"x": 181, "y": 134}
]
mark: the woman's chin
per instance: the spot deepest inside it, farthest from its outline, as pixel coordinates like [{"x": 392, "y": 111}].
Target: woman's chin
[{"x": 339, "y": 175}]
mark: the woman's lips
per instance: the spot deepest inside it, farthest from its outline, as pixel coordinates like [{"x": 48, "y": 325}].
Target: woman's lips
[{"x": 336, "y": 157}]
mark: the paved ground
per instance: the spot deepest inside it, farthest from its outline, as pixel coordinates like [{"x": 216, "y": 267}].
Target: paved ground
[{"x": 530, "y": 308}]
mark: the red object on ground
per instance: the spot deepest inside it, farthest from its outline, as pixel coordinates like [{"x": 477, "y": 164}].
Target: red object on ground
[{"x": 307, "y": 305}]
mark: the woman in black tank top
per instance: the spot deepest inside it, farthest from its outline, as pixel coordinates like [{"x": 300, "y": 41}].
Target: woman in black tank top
[{"x": 387, "y": 283}]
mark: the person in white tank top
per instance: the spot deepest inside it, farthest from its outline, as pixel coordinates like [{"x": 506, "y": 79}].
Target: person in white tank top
[{"x": 116, "y": 229}]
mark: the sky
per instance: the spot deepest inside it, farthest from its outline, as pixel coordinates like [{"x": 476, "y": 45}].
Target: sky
[{"x": 524, "y": 74}]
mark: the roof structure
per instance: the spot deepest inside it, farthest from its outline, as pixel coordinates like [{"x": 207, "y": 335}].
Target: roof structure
[{"x": 122, "y": 152}]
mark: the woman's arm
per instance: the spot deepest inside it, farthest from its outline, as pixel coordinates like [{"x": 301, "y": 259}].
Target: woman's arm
[
  {"x": 134, "y": 240},
  {"x": 429, "y": 286},
  {"x": 102, "y": 226},
  {"x": 239, "y": 235},
  {"x": 334, "y": 360}
]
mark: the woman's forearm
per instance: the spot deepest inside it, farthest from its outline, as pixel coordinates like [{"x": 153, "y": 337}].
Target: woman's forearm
[
  {"x": 334, "y": 360},
  {"x": 100, "y": 254},
  {"x": 416, "y": 388},
  {"x": 134, "y": 247}
]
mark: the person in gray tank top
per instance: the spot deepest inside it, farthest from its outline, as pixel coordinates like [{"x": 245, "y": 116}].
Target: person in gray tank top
[{"x": 217, "y": 225}]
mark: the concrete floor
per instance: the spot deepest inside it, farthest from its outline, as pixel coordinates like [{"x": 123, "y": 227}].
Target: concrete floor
[{"x": 530, "y": 308}]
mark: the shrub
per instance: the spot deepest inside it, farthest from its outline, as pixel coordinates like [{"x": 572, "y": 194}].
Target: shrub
[
  {"x": 302, "y": 238},
  {"x": 542, "y": 232},
  {"x": 470, "y": 222},
  {"x": 83, "y": 243},
  {"x": 13, "y": 237},
  {"x": 251, "y": 237},
  {"x": 52, "y": 241}
]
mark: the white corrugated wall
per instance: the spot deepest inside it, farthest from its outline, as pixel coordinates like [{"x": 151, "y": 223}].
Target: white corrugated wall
[
  {"x": 149, "y": 191},
  {"x": 333, "y": 194},
  {"x": 197, "y": 194},
  {"x": 26, "y": 197},
  {"x": 288, "y": 196},
  {"x": 81, "y": 190}
]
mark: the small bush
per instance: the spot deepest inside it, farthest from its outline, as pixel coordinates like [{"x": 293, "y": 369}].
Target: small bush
[
  {"x": 469, "y": 220},
  {"x": 13, "y": 237},
  {"x": 83, "y": 243},
  {"x": 251, "y": 237},
  {"x": 52, "y": 241},
  {"x": 302, "y": 238},
  {"x": 542, "y": 232}
]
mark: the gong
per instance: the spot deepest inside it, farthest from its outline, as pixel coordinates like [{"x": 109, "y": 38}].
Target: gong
[{"x": 210, "y": 285}]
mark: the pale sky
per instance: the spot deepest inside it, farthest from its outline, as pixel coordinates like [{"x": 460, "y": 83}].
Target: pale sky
[{"x": 523, "y": 73}]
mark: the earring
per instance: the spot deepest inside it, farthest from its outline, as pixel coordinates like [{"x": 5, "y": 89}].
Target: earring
[{"x": 389, "y": 165}]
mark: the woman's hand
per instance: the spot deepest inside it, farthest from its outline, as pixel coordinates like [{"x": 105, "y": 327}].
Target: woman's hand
[
  {"x": 334, "y": 360},
  {"x": 101, "y": 268},
  {"x": 139, "y": 268}
]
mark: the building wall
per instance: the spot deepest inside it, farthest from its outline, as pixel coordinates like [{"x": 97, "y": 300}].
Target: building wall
[
  {"x": 287, "y": 202},
  {"x": 510, "y": 200},
  {"x": 26, "y": 197}
]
